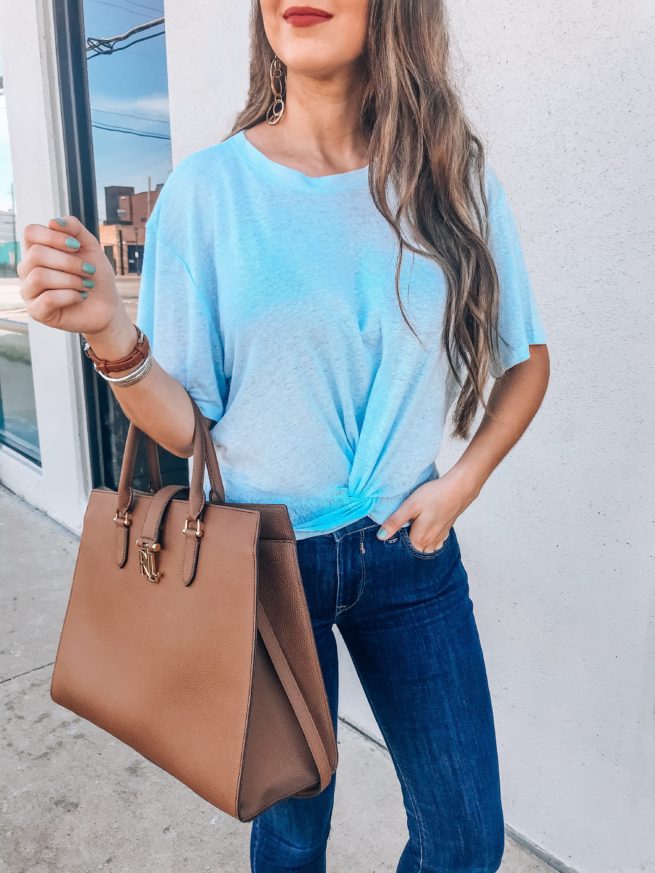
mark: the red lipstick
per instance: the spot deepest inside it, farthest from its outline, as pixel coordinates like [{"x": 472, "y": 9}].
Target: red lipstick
[{"x": 305, "y": 16}]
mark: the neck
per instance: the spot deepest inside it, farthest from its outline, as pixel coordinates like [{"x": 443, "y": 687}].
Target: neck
[{"x": 321, "y": 118}]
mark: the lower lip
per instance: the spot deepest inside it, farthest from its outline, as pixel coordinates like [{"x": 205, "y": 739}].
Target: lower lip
[{"x": 306, "y": 20}]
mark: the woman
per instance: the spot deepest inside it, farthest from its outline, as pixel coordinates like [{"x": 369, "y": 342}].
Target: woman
[{"x": 328, "y": 282}]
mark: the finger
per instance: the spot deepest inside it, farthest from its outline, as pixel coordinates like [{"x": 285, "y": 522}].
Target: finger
[
  {"x": 38, "y": 234},
  {"x": 427, "y": 543},
  {"x": 42, "y": 279},
  {"x": 420, "y": 536},
  {"x": 71, "y": 237},
  {"x": 45, "y": 256},
  {"x": 70, "y": 225},
  {"x": 395, "y": 521},
  {"x": 47, "y": 307}
]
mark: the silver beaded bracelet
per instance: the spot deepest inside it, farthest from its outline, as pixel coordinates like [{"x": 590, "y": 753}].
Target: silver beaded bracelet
[{"x": 132, "y": 377}]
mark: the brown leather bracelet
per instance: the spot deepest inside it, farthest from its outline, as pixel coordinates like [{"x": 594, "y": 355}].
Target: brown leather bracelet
[{"x": 138, "y": 354}]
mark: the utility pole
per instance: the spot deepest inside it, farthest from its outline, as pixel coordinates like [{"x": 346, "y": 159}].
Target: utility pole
[{"x": 13, "y": 227}]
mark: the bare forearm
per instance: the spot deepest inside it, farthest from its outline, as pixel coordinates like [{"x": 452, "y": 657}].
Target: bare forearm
[
  {"x": 513, "y": 403},
  {"x": 157, "y": 404}
]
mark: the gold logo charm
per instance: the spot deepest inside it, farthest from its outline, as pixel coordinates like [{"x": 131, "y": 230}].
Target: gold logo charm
[{"x": 148, "y": 560}]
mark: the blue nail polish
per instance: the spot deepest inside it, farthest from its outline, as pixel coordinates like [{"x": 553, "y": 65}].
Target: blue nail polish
[
  {"x": 88, "y": 283},
  {"x": 84, "y": 294},
  {"x": 382, "y": 534},
  {"x": 88, "y": 268},
  {"x": 72, "y": 243},
  {"x": 61, "y": 222}
]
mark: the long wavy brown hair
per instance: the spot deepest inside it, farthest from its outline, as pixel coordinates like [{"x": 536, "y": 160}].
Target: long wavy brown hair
[{"x": 421, "y": 141}]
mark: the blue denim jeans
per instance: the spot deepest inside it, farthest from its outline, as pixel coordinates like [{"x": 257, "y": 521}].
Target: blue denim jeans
[{"x": 407, "y": 620}]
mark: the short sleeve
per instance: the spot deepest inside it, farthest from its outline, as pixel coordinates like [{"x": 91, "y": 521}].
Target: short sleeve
[
  {"x": 519, "y": 324},
  {"x": 177, "y": 314}
]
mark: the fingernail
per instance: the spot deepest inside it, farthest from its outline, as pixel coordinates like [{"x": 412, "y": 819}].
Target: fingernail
[
  {"x": 61, "y": 222},
  {"x": 382, "y": 534},
  {"x": 72, "y": 243},
  {"x": 88, "y": 268},
  {"x": 88, "y": 283},
  {"x": 84, "y": 294}
]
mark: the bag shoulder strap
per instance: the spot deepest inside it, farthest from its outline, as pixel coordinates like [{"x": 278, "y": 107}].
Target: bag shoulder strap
[{"x": 296, "y": 699}]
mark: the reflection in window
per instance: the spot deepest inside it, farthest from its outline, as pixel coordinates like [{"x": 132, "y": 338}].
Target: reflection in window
[
  {"x": 128, "y": 98},
  {"x": 18, "y": 428},
  {"x": 128, "y": 93}
]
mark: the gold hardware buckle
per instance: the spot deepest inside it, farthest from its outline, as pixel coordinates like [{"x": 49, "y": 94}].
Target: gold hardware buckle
[
  {"x": 148, "y": 560},
  {"x": 124, "y": 519},
  {"x": 198, "y": 531}
]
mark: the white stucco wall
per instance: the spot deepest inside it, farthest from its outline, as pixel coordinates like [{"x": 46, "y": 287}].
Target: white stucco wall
[
  {"x": 60, "y": 486},
  {"x": 560, "y": 544}
]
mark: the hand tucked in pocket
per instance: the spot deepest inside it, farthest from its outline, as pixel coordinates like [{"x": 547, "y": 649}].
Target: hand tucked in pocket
[{"x": 432, "y": 509}]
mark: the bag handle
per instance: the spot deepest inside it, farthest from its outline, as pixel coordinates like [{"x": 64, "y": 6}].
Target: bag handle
[
  {"x": 217, "y": 489},
  {"x": 125, "y": 491},
  {"x": 207, "y": 456},
  {"x": 204, "y": 454},
  {"x": 152, "y": 458},
  {"x": 203, "y": 447}
]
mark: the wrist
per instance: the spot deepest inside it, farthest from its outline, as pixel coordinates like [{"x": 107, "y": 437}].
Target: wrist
[
  {"x": 114, "y": 341},
  {"x": 469, "y": 480}
]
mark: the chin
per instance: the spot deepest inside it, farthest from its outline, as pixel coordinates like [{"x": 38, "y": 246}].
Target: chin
[{"x": 312, "y": 58}]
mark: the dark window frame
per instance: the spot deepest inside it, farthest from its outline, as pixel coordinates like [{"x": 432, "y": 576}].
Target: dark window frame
[{"x": 108, "y": 424}]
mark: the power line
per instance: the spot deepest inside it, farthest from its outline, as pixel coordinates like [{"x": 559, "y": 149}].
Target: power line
[
  {"x": 108, "y": 45},
  {"x": 131, "y": 115},
  {"x": 112, "y": 50},
  {"x": 125, "y": 8},
  {"x": 129, "y": 130},
  {"x": 106, "y": 49},
  {"x": 149, "y": 8}
]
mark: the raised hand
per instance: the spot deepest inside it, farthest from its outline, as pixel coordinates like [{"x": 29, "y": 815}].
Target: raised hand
[{"x": 67, "y": 281}]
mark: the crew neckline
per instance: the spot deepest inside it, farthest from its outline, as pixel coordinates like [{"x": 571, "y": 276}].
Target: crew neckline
[{"x": 349, "y": 180}]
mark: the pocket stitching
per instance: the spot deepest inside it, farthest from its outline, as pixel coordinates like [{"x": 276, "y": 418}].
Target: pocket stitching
[{"x": 404, "y": 538}]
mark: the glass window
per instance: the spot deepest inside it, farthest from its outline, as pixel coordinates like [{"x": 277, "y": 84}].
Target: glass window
[
  {"x": 18, "y": 427},
  {"x": 128, "y": 99},
  {"x": 128, "y": 93}
]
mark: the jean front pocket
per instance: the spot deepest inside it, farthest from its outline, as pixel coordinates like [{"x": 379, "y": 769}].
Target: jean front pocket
[{"x": 411, "y": 548}]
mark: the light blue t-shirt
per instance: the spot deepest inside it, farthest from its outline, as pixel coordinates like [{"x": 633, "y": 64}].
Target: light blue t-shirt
[{"x": 269, "y": 295}]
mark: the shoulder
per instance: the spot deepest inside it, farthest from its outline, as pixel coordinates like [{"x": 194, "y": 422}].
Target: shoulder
[
  {"x": 504, "y": 226},
  {"x": 203, "y": 161},
  {"x": 494, "y": 187},
  {"x": 192, "y": 186}
]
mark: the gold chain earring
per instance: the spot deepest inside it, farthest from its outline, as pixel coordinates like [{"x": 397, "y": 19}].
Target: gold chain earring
[{"x": 276, "y": 109}]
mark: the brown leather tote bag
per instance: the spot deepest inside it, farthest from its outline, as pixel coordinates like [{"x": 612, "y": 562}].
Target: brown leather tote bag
[{"x": 187, "y": 636}]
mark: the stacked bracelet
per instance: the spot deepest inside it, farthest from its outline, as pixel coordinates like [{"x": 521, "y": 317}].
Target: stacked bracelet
[
  {"x": 140, "y": 355},
  {"x": 133, "y": 376}
]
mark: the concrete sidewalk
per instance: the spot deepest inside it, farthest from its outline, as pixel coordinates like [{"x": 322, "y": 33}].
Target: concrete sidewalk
[{"x": 75, "y": 800}]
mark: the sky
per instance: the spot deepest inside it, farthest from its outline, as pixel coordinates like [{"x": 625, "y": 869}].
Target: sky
[{"x": 128, "y": 89}]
